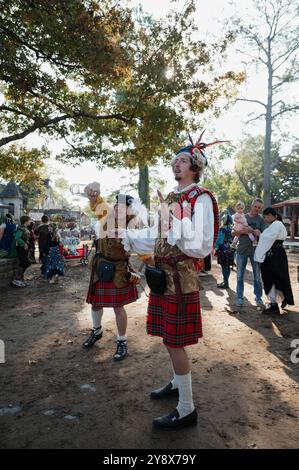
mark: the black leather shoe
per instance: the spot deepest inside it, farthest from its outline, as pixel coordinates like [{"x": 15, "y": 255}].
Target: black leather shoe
[
  {"x": 93, "y": 338},
  {"x": 173, "y": 420},
  {"x": 223, "y": 285},
  {"x": 121, "y": 351},
  {"x": 271, "y": 308},
  {"x": 164, "y": 392}
]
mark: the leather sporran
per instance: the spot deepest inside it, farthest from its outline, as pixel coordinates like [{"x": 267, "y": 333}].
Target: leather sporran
[
  {"x": 156, "y": 279},
  {"x": 106, "y": 271}
]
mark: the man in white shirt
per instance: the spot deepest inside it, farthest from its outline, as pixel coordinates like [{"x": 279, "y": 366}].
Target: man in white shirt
[{"x": 184, "y": 231}]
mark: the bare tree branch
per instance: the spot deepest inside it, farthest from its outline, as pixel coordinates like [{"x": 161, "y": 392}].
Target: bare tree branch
[
  {"x": 76, "y": 149},
  {"x": 274, "y": 29},
  {"x": 285, "y": 25},
  {"x": 251, "y": 101},
  {"x": 272, "y": 24},
  {"x": 255, "y": 118},
  {"x": 287, "y": 54},
  {"x": 277, "y": 16},
  {"x": 41, "y": 124},
  {"x": 259, "y": 58},
  {"x": 38, "y": 52},
  {"x": 37, "y": 125},
  {"x": 279, "y": 84},
  {"x": 277, "y": 102},
  {"x": 285, "y": 110},
  {"x": 15, "y": 111},
  {"x": 254, "y": 38}
]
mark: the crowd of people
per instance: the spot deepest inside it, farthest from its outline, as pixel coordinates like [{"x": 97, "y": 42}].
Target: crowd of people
[
  {"x": 18, "y": 241},
  {"x": 176, "y": 248},
  {"x": 259, "y": 239}
]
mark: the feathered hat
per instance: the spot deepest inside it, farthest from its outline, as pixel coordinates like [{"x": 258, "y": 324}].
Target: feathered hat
[{"x": 196, "y": 151}]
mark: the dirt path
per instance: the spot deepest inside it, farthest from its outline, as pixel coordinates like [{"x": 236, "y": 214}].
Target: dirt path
[{"x": 55, "y": 395}]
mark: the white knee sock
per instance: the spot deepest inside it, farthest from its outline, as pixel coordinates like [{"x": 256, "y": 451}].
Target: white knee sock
[
  {"x": 96, "y": 316},
  {"x": 185, "y": 405}
]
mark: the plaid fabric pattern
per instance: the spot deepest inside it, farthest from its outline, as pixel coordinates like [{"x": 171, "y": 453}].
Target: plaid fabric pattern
[
  {"x": 105, "y": 294},
  {"x": 176, "y": 330}
]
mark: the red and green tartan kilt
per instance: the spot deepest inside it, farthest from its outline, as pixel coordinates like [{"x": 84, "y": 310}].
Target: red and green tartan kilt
[
  {"x": 177, "y": 330},
  {"x": 106, "y": 294}
]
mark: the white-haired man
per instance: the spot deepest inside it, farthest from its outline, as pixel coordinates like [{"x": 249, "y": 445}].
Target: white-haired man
[{"x": 112, "y": 281}]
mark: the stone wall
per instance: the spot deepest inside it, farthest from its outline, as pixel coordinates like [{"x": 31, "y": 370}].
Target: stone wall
[
  {"x": 17, "y": 204},
  {"x": 8, "y": 270}
]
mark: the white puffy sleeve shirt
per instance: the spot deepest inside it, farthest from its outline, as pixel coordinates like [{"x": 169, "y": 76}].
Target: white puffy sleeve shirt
[
  {"x": 276, "y": 231},
  {"x": 193, "y": 237}
]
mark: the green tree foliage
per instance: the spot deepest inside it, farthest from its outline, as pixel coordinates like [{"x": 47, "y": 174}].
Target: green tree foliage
[
  {"x": 61, "y": 194},
  {"x": 249, "y": 168},
  {"x": 245, "y": 181},
  {"x": 285, "y": 176},
  {"x": 59, "y": 62},
  {"x": 131, "y": 185},
  {"x": 227, "y": 188},
  {"x": 164, "y": 92},
  {"x": 117, "y": 86},
  {"x": 22, "y": 165},
  {"x": 249, "y": 164}
]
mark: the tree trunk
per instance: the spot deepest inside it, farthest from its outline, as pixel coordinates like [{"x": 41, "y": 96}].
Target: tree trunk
[
  {"x": 268, "y": 135},
  {"x": 143, "y": 185}
]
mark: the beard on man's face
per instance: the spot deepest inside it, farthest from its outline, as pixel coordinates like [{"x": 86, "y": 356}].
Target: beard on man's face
[{"x": 177, "y": 177}]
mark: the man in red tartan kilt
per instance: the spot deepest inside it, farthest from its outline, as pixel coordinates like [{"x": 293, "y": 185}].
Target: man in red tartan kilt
[
  {"x": 112, "y": 281},
  {"x": 185, "y": 230}
]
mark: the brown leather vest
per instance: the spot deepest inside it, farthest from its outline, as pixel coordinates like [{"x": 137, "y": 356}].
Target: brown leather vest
[{"x": 112, "y": 250}]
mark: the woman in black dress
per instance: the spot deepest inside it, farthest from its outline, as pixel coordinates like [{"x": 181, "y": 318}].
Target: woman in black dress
[{"x": 274, "y": 262}]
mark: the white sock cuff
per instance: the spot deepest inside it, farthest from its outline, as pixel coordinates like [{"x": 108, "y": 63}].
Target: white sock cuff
[
  {"x": 183, "y": 379},
  {"x": 122, "y": 338}
]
